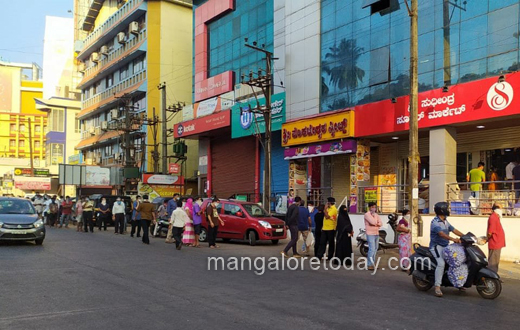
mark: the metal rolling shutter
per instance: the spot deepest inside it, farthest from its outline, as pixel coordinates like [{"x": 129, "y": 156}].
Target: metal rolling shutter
[
  {"x": 279, "y": 167},
  {"x": 233, "y": 166},
  {"x": 508, "y": 137},
  {"x": 340, "y": 176},
  {"x": 424, "y": 148}
]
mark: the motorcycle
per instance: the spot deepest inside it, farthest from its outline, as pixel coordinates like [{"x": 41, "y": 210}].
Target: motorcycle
[
  {"x": 383, "y": 244},
  {"x": 423, "y": 264},
  {"x": 161, "y": 228}
]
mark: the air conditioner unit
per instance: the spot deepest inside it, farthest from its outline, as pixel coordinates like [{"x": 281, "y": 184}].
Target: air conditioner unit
[
  {"x": 104, "y": 125},
  {"x": 82, "y": 67},
  {"x": 114, "y": 113},
  {"x": 134, "y": 28},
  {"x": 92, "y": 130},
  {"x": 98, "y": 130},
  {"x": 121, "y": 37},
  {"x": 104, "y": 50},
  {"x": 94, "y": 57},
  {"x": 116, "y": 155}
]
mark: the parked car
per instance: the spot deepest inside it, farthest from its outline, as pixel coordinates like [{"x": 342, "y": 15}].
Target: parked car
[
  {"x": 19, "y": 221},
  {"x": 244, "y": 221},
  {"x": 111, "y": 199}
]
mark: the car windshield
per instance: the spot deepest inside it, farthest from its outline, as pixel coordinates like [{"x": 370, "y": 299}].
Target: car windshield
[
  {"x": 255, "y": 210},
  {"x": 16, "y": 207}
]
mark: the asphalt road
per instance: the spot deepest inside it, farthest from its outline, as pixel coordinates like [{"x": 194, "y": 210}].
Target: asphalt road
[{"x": 103, "y": 281}]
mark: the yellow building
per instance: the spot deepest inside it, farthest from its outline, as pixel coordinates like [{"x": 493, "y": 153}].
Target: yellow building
[{"x": 129, "y": 49}]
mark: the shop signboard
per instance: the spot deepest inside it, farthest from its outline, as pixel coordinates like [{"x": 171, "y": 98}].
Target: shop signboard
[
  {"x": 32, "y": 183},
  {"x": 174, "y": 168},
  {"x": 370, "y": 196},
  {"x": 34, "y": 172},
  {"x": 334, "y": 126},
  {"x": 215, "y": 85},
  {"x": 75, "y": 159},
  {"x": 163, "y": 179},
  {"x": 244, "y": 122},
  {"x": 462, "y": 103},
  {"x": 319, "y": 150},
  {"x": 157, "y": 190},
  {"x": 204, "y": 124},
  {"x": 97, "y": 176}
]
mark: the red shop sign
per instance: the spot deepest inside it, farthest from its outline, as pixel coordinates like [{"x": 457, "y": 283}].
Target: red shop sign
[
  {"x": 473, "y": 101},
  {"x": 174, "y": 168},
  {"x": 204, "y": 124}
]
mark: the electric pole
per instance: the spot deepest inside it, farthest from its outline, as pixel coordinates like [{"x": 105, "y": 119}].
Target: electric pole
[
  {"x": 413, "y": 157},
  {"x": 264, "y": 82},
  {"x": 162, "y": 88},
  {"x": 155, "y": 153},
  {"x": 31, "y": 147}
]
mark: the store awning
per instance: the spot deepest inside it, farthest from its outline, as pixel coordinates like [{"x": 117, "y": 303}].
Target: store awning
[
  {"x": 320, "y": 150},
  {"x": 97, "y": 139}
]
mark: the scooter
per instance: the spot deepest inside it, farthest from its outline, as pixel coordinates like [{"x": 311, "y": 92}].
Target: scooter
[
  {"x": 383, "y": 244},
  {"x": 161, "y": 228},
  {"x": 422, "y": 269}
]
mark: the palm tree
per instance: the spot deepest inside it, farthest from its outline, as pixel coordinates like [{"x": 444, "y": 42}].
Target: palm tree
[{"x": 340, "y": 64}]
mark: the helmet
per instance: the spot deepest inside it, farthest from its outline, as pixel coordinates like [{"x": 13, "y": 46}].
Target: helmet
[{"x": 442, "y": 208}]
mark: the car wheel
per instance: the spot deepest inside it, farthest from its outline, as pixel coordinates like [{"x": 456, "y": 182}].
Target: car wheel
[
  {"x": 275, "y": 241},
  {"x": 251, "y": 237},
  {"x": 203, "y": 236},
  {"x": 39, "y": 241}
]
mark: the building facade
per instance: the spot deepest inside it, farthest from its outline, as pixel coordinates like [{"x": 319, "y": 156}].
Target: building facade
[{"x": 126, "y": 49}]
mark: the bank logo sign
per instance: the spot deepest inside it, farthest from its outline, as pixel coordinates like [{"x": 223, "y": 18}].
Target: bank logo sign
[
  {"x": 500, "y": 96},
  {"x": 247, "y": 120}
]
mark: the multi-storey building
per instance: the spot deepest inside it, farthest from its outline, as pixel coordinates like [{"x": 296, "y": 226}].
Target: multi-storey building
[{"x": 127, "y": 49}]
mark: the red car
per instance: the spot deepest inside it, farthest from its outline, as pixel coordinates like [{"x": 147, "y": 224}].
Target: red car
[{"x": 244, "y": 221}]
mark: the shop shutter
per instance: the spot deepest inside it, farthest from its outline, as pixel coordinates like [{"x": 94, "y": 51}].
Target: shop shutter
[
  {"x": 374, "y": 165},
  {"x": 424, "y": 148},
  {"x": 340, "y": 176},
  {"x": 233, "y": 166},
  {"x": 279, "y": 167},
  {"x": 508, "y": 137}
]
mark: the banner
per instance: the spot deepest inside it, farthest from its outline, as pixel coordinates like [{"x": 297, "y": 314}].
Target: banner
[
  {"x": 174, "y": 168},
  {"x": 319, "y": 150},
  {"x": 201, "y": 125},
  {"x": 162, "y": 179},
  {"x": 32, "y": 183},
  {"x": 97, "y": 176},
  {"x": 154, "y": 191}
]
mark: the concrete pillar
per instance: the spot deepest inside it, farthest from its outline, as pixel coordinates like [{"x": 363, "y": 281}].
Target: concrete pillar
[{"x": 443, "y": 163}]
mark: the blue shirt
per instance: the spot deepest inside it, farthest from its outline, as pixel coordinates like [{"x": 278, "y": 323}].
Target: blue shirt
[
  {"x": 136, "y": 215},
  {"x": 436, "y": 227},
  {"x": 313, "y": 213},
  {"x": 303, "y": 218},
  {"x": 172, "y": 205}
]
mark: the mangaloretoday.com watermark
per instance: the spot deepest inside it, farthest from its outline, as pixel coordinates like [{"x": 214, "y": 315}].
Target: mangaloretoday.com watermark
[{"x": 259, "y": 265}]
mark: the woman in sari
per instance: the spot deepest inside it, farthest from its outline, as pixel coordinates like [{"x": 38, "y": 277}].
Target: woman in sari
[
  {"x": 345, "y": 231},
  {"x": 188, "y": 237},
  {"x": 404, "y": 240}
]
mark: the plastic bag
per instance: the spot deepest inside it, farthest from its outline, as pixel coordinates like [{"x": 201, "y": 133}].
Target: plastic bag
[
  {"x": 454, "y": 255},
  {"x": 458, "y": 275}
]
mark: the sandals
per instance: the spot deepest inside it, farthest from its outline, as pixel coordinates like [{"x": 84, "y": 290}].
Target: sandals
[{"x": 438, "y": 292}]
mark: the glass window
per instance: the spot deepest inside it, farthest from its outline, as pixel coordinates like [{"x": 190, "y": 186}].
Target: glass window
[
  {"x": 12, "y": 127},
  {"x": 379, "y": 35},
  {"x": 503, "y": 63},
  {"x": 255, "y": 210},
  {"x": 493, "y": 4},
  {"x": 472, "y": 71},
  {"x": 473, "y": 44},
  {"x": 37, "y": 128},
  {"x": 231, "y": 209},
  {"x": 21, "y": 143},
  {"x": 399, "y": 59},
  {"x": 57, "y": 120},
  {"x": 426, "y": 53},
  {"x": 503, "y": 30},
  {"x": 426, "y": 23},
  {"x": 425, "y": 81},
  {"x": 110, "y": 80},
  {"x": 77, "y": 126},
  {"x": 37, "y": 144},
  {"x": 399, "y": 26},
  {"x": 474, "y": 8},
  {"x": 12, "y": 143},
  {"x": 22, "y": 128},
  {"x": 379, "y": 66}
]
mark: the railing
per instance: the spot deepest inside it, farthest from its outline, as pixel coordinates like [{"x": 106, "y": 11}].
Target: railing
[
  {"x": 478, "y": 198},
  {"x": 390, "y": 199},
  {"x": 109, "y": 24},
  {"x": 115, "y": 54},
  {"x": 127, "y": 83}
]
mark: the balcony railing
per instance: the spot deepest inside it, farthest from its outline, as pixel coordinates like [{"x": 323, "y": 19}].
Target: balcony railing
[
  {"x": 479, "y": 201},
  {"x": 110, "y": 23},
  {"x": 390, "y": 199},
  {"x": 112, "y": 58},
  {"x": 109, "y": 93}
]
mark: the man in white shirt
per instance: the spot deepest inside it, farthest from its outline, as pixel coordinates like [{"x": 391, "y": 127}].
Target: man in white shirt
[
  {"x": 177, "y": 222},
  {"x": 118, "y": 215},
  {"x": 509, "y": 171}
]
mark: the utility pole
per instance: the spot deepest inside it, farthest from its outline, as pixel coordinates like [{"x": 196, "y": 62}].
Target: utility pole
[
  {"x": 162, "y": 88},
  {"x": 413, "y": 154},
  {"x": 155, "y": 152},
  {"x": 31, "y": 147},
  {"x": 264, "y": 82}
]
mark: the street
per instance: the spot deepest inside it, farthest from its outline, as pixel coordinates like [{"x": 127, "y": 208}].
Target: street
[{"x": 106, "y": 281}]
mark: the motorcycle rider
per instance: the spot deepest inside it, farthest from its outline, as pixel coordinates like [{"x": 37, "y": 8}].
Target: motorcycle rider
[
  {"x": 440, "y": 230},
  {"x": 38, "y": 202}
]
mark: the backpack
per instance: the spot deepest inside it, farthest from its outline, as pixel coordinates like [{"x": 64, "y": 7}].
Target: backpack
[{"x": 53, "y": 208}]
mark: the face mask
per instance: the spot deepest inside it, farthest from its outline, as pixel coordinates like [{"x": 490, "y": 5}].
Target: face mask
[
  {"x": 373, "y": 210},
  {"x": 499, "y": 212},
  {"x": 118, "y": 202},
  {"x": 311, "y": 208},
  {"x": 103, "y": 202},
  {"x": 199, "y": 202},
  {"x": 407, "y": 217}
]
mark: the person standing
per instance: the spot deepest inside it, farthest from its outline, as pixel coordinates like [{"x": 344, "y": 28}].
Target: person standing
[
  {"x": 197, "y": 219},
  {"x": 440, "y": 230},
  {"x": 509, "y": 172},
  {"x": 178, "y": 221},
  {"x": 88, "y": 211},
  {"x": 118, "y": 215},
  {"x": 405, "y": 239},
  {"x": 304, "y": 224},
  {"x": 476, "y": 175},
  {"x": 66, "y": 212},
  {"x": 493, "y": 176},
  {"x": 38, "y": 202},
  {"x": 318, "y": 221},
  {"x": 79, "y": 215},
  {"x": 345, "y": 231},
  {"x": 136, "y": 218},
  {"x": 291, "y": 224},
  {"x": 172, "y": 204},
  {"x": 103, "y": 214},
  {"x": 214, "y": 221},
  {"x": 372, "y": 225},
  {"x": 53, "y": 210},
  {"x": 147, "y": 211},
  {"x": 496, "y": 238},
  {"x": 188, "y": 237},
  {"x": 328, "y": 232},
  {"x": 516, "y": 177}
]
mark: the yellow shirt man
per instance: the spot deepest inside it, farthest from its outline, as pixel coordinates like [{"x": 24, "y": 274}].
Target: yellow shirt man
[{"x": 331, "y": 219}]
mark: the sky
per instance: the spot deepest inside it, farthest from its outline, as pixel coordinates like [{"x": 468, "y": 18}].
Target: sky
[{"x": 23, "y": 26}]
